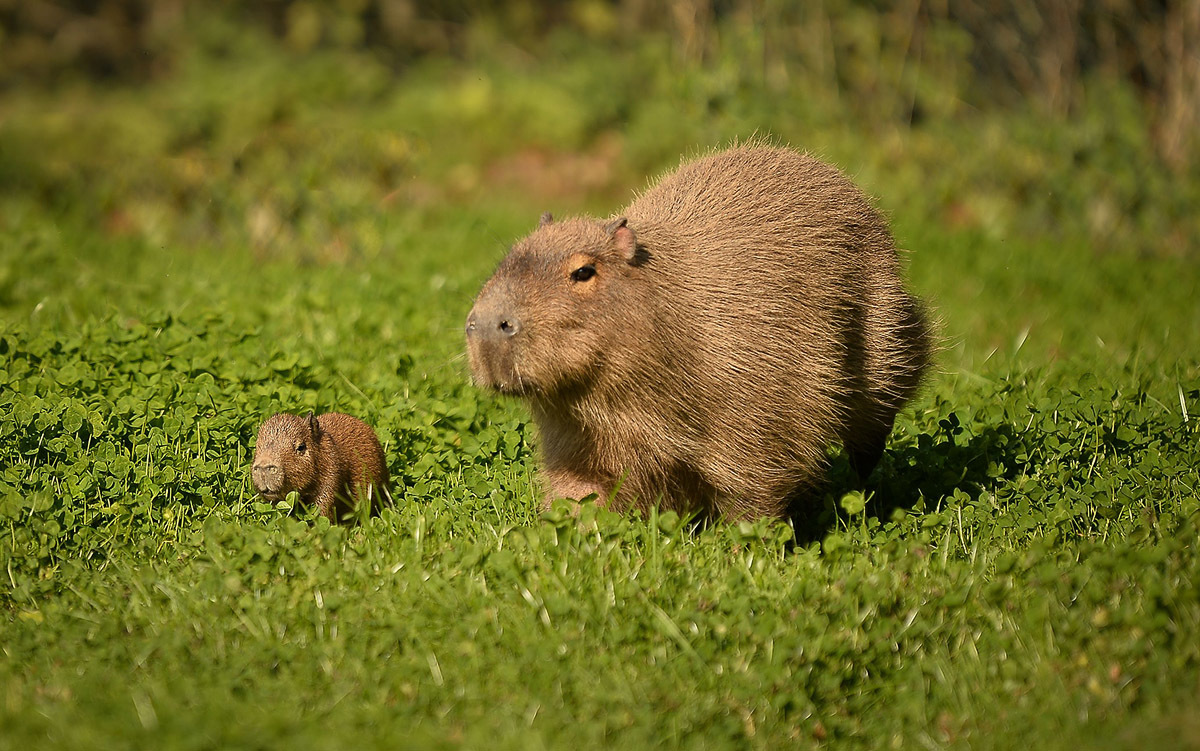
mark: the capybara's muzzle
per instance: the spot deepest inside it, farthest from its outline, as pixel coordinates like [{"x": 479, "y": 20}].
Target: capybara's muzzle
[
  {"x": 267, "y": 479},
  {"x": 491, "y": 330}
]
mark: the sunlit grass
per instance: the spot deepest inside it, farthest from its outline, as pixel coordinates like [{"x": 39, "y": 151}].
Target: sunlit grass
[{"x": 181, "y": 261}]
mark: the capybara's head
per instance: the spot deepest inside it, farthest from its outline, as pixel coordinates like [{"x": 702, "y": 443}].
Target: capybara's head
[
  {"x": 285, "y": 456},
  {"x": 543, "y": 320}
]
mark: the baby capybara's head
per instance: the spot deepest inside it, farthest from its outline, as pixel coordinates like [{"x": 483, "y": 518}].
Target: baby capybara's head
[
  {"x": 285, "y": 456},
  {"x": 542, "y": 321}
]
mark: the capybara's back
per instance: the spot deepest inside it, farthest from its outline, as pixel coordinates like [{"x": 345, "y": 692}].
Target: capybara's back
[{"x": 703, "y": 349}]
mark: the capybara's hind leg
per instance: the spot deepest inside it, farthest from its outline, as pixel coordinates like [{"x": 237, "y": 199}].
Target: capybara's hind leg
[{"x": 864, "y": 446}]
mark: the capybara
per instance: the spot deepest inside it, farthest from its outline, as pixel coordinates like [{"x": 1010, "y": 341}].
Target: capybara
[
  {"x": 703, "y": 348},
  {"x": 332, "y": 461}
]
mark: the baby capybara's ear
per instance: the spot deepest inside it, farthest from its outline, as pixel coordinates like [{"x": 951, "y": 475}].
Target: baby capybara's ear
[
  {"x": 313, "y": 426},
  {"x": 547, "y": 218}
]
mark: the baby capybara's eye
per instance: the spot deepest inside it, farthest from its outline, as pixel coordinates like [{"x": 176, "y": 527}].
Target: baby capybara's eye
[
  {"x": 300, "y": 448},
  {"x": 583, "y": 273}
]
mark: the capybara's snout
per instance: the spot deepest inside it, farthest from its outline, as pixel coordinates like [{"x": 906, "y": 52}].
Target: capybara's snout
[
  {"x": 490, "y": 321},
  {"x": 492, "y": 341},
  {"x": 267, "y": 478}
]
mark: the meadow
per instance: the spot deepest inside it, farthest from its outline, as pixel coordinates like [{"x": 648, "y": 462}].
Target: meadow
[{"x": 264, "y": 230}]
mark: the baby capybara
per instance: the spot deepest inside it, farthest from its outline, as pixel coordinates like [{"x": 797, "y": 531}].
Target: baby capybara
[
  {"x": 702, "y": 349},
  {"x": 332, "y": 461}
]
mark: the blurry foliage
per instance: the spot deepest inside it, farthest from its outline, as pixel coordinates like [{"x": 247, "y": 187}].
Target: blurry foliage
[
  {"x": 987, "y": 52},
  {"x": 1039, "y": 119}
]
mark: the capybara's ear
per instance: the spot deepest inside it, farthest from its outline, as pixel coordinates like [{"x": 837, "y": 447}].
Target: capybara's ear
[
  {"x": 547, "y": 218},
  {"x": 623, "y": 238},
  {"x": 313, "y": 426}
]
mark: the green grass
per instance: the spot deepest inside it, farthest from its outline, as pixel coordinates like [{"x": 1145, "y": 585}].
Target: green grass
[{"x": 263, "y": 232}]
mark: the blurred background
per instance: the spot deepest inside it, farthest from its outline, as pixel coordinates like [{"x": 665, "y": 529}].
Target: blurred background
[{"x": 343, "y": 131}]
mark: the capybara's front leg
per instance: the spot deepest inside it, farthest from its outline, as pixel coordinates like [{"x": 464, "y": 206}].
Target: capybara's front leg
[
  {"x": 326, "y": 502},
  {"x": 563, "y": 483}
]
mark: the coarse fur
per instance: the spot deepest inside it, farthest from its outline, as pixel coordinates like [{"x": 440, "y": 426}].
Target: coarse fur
[
  {"x": 702, "y": 349},
  {"x": 333, "y": 461}
]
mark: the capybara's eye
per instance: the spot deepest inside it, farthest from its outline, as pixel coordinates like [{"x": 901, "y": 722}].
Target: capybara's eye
[
  {"x": 301, "y": 448},
  {"x": 583, "y": 273}
]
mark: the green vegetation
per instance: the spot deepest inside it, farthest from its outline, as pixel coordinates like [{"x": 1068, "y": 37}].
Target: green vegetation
[{"x": 264, "y": 230}]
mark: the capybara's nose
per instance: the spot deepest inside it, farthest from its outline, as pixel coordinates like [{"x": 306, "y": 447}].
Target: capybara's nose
[
  {"x": 508, "y": 326},
  {"x": 267, "y": 478},
  {"x": 488, "y": 325}
]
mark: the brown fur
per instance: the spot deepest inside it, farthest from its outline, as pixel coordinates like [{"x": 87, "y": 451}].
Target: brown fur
[
  {"x": 744, "y": 313},
  {"x": 332, "y": 461}
]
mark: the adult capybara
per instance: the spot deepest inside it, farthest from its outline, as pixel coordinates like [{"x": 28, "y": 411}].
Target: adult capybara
[
  {"x": 702, "y": 349},
  {"x": 333, "y": 461}
]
